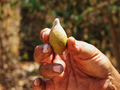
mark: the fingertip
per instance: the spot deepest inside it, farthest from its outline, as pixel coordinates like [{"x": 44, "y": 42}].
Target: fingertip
[
  {"x": 43, "y": 53},
  {"x": 47, "y": 49},
  {"x": 38, "y": 84},
  {"x": 71, "y": 38},
  {"x": 72, "y": 45},
  {"x": 44, "y": 35},
  {"x": 71, "y": 41}
]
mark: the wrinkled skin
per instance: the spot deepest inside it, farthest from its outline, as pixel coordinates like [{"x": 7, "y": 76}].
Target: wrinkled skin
[{"x": 85, "y": 67}]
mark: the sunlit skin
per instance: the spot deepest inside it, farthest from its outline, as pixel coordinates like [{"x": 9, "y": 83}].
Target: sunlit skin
[{"x": 85, "y": 67}]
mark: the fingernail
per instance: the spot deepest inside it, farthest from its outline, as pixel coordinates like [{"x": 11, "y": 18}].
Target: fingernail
[
  {"x": 57, "y": 69},
  {"x": 45, "y": 48},
  {"x": 36, "y": 82},
  {"x": 43, "y": 35}
]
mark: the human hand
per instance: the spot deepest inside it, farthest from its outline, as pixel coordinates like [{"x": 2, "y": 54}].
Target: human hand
[{"x": 85, "y": 67}]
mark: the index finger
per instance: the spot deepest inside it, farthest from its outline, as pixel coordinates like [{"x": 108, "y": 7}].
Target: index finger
[{"x": 44, "y": 35}]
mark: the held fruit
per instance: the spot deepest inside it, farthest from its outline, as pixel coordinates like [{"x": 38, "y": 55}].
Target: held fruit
[{"x": 57, "y": 37}]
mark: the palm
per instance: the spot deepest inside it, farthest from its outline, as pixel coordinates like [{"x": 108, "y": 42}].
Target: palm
[{"x": 74, "y": 78}]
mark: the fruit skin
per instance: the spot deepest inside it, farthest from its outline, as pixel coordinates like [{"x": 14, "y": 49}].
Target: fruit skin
[{"x": 58, "y": 37}]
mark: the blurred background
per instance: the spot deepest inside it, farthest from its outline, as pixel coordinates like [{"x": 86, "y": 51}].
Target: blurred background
[{"x": 94, "y": 21}]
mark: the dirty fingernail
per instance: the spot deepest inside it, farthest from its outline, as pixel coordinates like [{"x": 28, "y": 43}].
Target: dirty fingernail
[
  {"x": 45, "y": 48},
  {"x": 36, "y": 82},
  {"x": 57, "y": 68}
]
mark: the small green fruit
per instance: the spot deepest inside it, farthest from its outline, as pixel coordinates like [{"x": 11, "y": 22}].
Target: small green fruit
[{"x": 58, "y": 37}]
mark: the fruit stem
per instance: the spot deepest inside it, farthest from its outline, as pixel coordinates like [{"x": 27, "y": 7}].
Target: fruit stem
[{"x": 56, "y": 22}]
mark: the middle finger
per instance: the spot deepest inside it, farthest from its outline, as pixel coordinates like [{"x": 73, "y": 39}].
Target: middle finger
[{"x": 43, "y": 54}]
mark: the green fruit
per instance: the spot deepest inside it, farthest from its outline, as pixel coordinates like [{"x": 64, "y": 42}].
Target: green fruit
[{"x": 58, "y": 37}]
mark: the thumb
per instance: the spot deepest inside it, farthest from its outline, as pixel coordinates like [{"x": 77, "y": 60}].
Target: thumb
[
  {"x": 81, "y": 49},
  {"x": 88, "y": 58}
]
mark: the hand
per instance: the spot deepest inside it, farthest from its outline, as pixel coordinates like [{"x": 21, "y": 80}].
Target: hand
[{"x": 85, "y": 67}]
